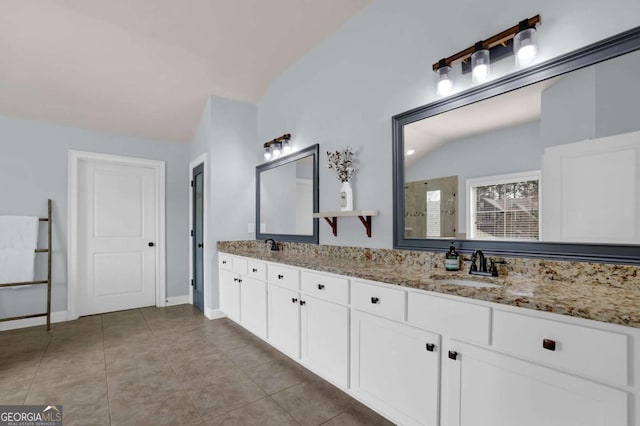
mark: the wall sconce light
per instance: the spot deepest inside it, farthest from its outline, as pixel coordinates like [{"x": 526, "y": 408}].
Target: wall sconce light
[
  {"x": 278, "y": 146},
  {"x": 518, "y": 41}
]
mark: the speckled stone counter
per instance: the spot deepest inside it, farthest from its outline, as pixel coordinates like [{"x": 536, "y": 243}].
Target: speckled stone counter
[{"x": 600, "y": 292}]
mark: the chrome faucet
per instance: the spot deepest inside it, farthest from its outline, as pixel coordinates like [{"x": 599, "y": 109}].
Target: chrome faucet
[{"x": 274, "y": 245}]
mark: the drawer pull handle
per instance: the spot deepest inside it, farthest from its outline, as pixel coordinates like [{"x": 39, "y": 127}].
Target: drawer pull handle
[
  {"x": 431, "y": 347},
  {"x": 453, "y": 355},
  {"x": 280, "y": 276},
  {"x": 254, "y": 269},
  {"x": 239, "y": 280},
  {"x": 302, "y": 303},
  {"x": 375, "y": 300},
  {"x": 236, "y": 279},
  {"x": 549, "y": 344},
  {"x": 294, "y": 300},
  {"x": 320, "y": 286}
]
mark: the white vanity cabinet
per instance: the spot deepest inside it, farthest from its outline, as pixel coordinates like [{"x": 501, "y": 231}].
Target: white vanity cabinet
[
  {"x": 425, "y": 358},
  {"x": 284, "y": 320},
  {"x": 325, "y": 326},
  {"x": 395, "y": 368},
  {"x": 487, "y": 388}
]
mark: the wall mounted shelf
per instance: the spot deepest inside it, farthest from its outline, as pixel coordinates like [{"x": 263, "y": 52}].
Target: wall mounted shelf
[{"x": 332, "y": 218}]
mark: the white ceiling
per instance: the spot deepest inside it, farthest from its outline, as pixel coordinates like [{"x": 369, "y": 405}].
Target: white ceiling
[
  {"x": 506, "y": 110},
  {"x": 145, "y": 67}
]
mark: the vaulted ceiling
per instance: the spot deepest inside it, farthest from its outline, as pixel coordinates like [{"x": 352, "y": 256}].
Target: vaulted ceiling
[{"x": 145, "y": 67}]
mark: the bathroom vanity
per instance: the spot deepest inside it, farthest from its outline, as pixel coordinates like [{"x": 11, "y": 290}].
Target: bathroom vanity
[{"x": 422, "y": 349}]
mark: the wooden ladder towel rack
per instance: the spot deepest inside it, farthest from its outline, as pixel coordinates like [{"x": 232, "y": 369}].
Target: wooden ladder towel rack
[{"x": 47, "y": 219}]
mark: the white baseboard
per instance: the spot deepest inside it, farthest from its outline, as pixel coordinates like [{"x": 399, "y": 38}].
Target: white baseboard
[
  {"x": 59, "y": 316},
  {"x": 178, "y": 300},
  {"x": 214, "y": 314}
]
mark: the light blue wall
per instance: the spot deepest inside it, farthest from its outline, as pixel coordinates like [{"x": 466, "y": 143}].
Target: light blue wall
[
  {"x": 345, "y": 91},
  {"x": 227, "y": 134},
  {"x": 33, "y": 167}
]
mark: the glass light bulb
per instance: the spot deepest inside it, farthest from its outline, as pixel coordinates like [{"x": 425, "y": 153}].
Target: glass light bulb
[
  {"x": 267, "y": 154},
  {"x": 480, "y": 60},
  {"x": 524, "y": 47},
  {"x": 411, "y": 151},
  {"x": 286, "y": 147},
  {"x": 276, "y": 150},
  {"x": 445, "y": 83}
]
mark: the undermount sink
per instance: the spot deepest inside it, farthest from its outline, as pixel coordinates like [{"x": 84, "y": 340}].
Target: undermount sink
[{"x": 470, "y": 283}]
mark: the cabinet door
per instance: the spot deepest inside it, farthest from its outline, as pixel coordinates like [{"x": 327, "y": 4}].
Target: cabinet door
[
  {"x": 230, "y": 294},
  {"x": 396, "y": 368},
  {"x": 491, "y": 389},
  {"x": 253, "y": 306},
  {"x": 284, "y": 320},
  {"x": 325, "y": 339}
]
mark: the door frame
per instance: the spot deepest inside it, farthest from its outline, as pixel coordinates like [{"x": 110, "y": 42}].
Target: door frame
[
  {"x": 201, "y": 159},
  {"x": 75, "y": 157}
]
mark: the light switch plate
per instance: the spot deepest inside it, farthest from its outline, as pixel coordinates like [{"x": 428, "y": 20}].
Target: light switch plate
[{"x": 251, "y": 228}]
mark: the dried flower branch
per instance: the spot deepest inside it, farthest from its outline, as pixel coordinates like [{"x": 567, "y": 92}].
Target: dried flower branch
[{"x": 342, "y": 163}]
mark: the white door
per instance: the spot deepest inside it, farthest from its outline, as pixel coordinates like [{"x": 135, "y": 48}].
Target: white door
[
  {"x": 396, "y": 368},
  {"x": 253, "y": 305},
  {"x": 325, "y": 339},
  {"x": 284, "y": 320},
  {"x": 230, "y": 294},
  {"x": 490, "y": 389},
  {"x": 117, "y": 222}
]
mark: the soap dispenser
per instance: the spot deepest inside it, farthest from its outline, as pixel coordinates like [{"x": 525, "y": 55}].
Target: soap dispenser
[{"x": 452, "y": 259}]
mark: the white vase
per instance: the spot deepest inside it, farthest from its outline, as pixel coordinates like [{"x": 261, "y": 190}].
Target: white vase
[{"x": 346, "y": 197}]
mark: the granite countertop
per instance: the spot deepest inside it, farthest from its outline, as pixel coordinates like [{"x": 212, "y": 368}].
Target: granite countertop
[{"x": 613, "y": 302}]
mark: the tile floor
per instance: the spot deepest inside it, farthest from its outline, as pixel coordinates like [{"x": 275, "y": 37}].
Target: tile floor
[{"x": 156, "y": 366}]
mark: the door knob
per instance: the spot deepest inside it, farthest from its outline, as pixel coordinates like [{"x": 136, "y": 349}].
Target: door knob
[
  {"x": 200, "y": 245},
  {"x": 151, "y": 244}
]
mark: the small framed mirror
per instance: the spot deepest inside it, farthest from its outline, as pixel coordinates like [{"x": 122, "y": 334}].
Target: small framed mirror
[{"x": 287, "y": 195}]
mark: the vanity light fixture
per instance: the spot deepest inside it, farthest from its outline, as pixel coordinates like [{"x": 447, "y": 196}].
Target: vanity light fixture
[
  {"x": 518, "y": 41},
  {"x": 277, "y": 147}
]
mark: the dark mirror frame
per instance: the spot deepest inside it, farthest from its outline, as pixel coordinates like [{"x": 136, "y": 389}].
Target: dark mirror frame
[
  {"x": 313, "y": 150},
  {"x": 609, "y": 48}
]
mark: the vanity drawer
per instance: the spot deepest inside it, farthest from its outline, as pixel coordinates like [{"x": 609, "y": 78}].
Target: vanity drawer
[
  {"x": 225, "y": 261},
  {"x": 459, "y": 320},
  {"x": 383, "y": 301},
  {"x": 283, "y": 276},
  {"x": 239, "y": 265},
  {"x": 573, "y": 348},
  {"x": 257, "y": 270},
  {"x": 327, "y": 287}
]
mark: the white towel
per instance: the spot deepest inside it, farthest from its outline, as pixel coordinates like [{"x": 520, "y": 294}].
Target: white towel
[
  {"x": 18, "y": 241},
  {"x": 16, "y": 265},
  {"x": 18, "y": 232}
]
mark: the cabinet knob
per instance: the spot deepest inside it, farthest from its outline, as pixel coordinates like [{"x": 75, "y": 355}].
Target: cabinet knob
[
  {"x": 549, "y": 344},
  {"x": 280, "y": 276},
  {"x": 239, "y": 280},
  {"x": 302, "y": 303},
  {"x": 320, "y": 286},
  {"x": 224, "y": 262},
  {"x": 375, "y": 300},
  {"x": 431, "y": 347},
  {"x": 453, "y": 355},
  {"x": 236, "y": 279},
  {"x": 254, "y": 269},
  {"x": 294, "y": 300}
]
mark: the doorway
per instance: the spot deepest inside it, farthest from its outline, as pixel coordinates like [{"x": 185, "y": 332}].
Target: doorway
[
  {"x": 197, "y": 236},
  {"x": 116, "y": 233}
]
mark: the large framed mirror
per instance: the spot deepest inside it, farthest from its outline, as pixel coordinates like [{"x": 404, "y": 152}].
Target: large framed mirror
[
  {"x": 544, "y": 162},
  {"x": 287, "y": 195}
]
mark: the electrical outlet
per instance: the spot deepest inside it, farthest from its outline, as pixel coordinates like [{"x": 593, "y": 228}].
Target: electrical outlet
[
  {"x": 251, "y": 228},
  {"x": 263, "y": 228}
]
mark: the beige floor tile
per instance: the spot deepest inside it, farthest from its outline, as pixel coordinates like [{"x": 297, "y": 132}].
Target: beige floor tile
[
  {"x": 13, "y": 391},
  {"x": 358, "y": 415},
  {"x": 264, "y": 412},
  {"x": 81, "y": 391},
  {"x": 252, "y": 355},
  {"x": 96, "y": 414},
  {"x": 169, "y": 408},
  {"x": 126, "y": 383},
  {"x": 312, "y": 403},
  {"x": 275, "y": 376},
  {"x": 227, "y": 394}
]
